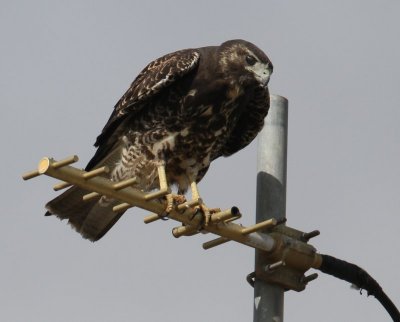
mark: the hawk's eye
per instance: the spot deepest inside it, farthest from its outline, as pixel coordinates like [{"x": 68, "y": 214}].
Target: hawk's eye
[{"x": 251, "y": 60}]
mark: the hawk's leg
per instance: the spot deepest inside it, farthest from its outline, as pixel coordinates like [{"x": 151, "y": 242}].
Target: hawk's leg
[
  {"x": 196, "y": 197},
  {"x": 171, "y": 198}
]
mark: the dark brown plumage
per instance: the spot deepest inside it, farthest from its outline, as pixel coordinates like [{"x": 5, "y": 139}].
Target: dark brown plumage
[{"x": 183, "y": 110}]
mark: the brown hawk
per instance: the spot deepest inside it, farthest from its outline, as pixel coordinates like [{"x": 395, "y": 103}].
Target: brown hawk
[{"x": 184, "y": 110}]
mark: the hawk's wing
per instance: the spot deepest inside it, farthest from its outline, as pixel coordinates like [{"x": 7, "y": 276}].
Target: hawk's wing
[
  {"x": 249, "y": 124},
  {"x": 156, "y": 76}
]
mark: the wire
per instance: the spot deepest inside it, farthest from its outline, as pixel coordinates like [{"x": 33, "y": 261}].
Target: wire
[{"x": 360, "y": 278}]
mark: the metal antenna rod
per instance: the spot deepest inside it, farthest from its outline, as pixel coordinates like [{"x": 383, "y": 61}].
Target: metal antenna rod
[{"x": 271, "y": 199}]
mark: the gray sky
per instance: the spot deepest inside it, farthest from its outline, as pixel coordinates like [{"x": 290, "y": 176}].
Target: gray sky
[{"x": 64, "y": 65}]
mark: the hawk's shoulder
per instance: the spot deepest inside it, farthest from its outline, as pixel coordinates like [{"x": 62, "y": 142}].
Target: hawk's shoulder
[{"x": 156, "y": 76}]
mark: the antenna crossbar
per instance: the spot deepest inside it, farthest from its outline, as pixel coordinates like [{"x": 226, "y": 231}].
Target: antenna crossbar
[{"x": 279, "y": 243}]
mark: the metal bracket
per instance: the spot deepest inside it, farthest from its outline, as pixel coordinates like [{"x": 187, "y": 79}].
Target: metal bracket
[{"x": 286, "y": 264}]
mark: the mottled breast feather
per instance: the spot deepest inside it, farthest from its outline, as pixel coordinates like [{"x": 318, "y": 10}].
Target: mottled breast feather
[{"x": 250, "y": 122}]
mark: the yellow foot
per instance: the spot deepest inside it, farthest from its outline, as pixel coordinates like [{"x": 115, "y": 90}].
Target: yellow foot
[
  {"x": 173, "y": 200},
  {"x": 166, "y": 191},
  {"x": 207, "y": 212}
]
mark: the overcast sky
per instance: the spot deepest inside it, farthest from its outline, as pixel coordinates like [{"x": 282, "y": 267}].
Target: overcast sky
[{"x": 63, "y": 66}]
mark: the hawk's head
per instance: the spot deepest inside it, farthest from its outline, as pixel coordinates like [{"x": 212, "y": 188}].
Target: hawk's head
[{"x": 242, "y": 59}]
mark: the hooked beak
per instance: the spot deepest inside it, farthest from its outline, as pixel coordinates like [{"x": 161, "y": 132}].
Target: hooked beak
[{"x": 263, "y": 75}]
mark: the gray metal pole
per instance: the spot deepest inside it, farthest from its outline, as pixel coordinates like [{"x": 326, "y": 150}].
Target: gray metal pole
[{"x": 271, "y": 199}]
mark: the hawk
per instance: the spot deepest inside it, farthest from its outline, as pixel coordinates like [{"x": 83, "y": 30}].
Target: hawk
[{"x": 183, "y": 111}]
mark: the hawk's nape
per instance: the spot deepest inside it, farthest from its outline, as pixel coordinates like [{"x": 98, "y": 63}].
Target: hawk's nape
[{"x": 184, "y": 110}]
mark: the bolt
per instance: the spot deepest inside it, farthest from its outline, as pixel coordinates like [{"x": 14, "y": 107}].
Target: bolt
[
  {"x": 307, "y": 236},
  {"x": 306, "y": 279},
  {"x": 274, "y": 266}
]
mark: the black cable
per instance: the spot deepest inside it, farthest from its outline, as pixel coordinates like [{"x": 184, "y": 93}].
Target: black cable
[{"x": 360, "y": 278}]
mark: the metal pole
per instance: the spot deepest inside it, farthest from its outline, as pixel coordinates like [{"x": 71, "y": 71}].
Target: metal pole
[{"x": 271, "y": 199}]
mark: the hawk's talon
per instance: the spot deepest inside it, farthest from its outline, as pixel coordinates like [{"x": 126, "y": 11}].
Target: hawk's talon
[
  {"x": 179, "y": 199},
  {"x": 172, "y": 201},
  {"x": 164, "y": 216},
  {"x": 206, "y": 214}
]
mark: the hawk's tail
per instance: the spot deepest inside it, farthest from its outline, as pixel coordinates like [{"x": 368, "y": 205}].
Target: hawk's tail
[{"x": 90, "y": 218}]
